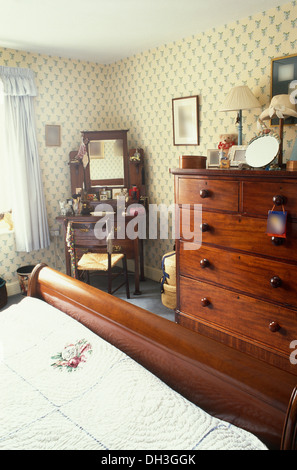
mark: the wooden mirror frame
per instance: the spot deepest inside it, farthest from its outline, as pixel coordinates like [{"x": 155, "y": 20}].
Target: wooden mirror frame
[{"x": 108, "y": 135}]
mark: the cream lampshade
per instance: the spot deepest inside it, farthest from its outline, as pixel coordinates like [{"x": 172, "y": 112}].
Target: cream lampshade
[{"x": 240, "y": 98}]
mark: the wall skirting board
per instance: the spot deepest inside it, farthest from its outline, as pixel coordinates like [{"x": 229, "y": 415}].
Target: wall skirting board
[
  {"x": 13, "y": 288},
  {"x": 154, "y": 274}
]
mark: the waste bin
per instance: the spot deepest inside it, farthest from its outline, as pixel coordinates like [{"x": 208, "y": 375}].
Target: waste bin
[
  {"x": 3, "y": 293},
  {"x": 24, "y": 274}
]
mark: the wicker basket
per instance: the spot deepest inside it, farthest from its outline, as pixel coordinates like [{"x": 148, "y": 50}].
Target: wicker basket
[
  {"x": 169, "y": 267},
  {"x": 168, "y": 296},
  {"x": 3, "y": 293}
]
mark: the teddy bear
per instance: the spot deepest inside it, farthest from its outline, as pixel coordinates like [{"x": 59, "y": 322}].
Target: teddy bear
[{"x": 226, "y": 142}]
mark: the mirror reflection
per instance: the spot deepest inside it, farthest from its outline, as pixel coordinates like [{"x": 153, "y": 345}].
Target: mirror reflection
[
  {"x": 106, "y": 159},
  {"x": 262, "y": 150}
]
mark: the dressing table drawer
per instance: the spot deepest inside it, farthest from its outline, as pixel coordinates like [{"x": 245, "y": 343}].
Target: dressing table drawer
[
  {"x": 214, "y": 195},
  {"x": 258, "y": 199},
  {"x": 128, "y": 247},
  {"x": 256, "y": 276},
  {"x": 238, "y": 315}
]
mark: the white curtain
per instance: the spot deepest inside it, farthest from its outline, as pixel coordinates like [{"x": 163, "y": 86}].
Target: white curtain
[
  {"x": 22, "y": 160},
  {"x": 5, "y": 201}
]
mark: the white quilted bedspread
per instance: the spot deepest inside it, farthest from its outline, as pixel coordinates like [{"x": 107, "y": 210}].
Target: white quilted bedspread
[{"x": 63, "y": 387}]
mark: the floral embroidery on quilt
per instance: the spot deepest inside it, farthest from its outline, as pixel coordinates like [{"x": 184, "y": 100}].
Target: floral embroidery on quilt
[{"x": 72, "y": 356}]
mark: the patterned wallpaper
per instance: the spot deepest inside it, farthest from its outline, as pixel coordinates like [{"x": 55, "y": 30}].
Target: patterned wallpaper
[
  {"x": 136, "y": 94},
  {"x": 208, "y": 65}
]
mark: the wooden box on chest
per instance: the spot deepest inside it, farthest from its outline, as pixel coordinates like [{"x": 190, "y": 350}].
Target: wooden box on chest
[{"x": 239, "y": 287}]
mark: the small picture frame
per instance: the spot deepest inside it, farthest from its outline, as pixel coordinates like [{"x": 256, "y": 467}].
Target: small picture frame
[
  {"x": 52, "y": 135},
  {"x": 237, "y": 154},
  {"x": 213, "y": 158},
  {"x": 185, "y": 121},
  {"x": 96, "y": 149},
  {"x": 103, "y": 195},
  {"x": 116, "y": 192}
]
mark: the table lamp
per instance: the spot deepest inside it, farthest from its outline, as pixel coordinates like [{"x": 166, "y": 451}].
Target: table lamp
[{"x": 238, "y": 99}]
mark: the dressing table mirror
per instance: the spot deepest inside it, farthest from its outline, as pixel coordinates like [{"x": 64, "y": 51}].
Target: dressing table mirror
[
  {"x": 108, "y": 159},
  {"x": 108, "y": 165}
]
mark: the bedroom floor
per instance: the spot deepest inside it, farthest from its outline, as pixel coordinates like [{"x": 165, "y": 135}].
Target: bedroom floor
[{"x": 150, "y": 298}]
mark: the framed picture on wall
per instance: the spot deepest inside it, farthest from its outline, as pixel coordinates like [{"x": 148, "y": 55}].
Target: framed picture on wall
[
  {"x": 52, "y": 136},
  {"x": 185, "y": 121},
  {"x": 284, "y": 81}
]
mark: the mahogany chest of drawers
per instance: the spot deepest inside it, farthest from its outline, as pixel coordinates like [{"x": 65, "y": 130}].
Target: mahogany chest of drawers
[{"x": 238, "y": 285}]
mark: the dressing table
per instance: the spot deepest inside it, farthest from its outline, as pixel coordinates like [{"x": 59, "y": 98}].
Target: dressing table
[{"x": 107, "y": 172}]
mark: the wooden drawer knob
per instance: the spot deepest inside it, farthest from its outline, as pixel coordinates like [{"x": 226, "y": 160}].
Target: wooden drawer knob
[
  {"x": 279, "y": 200},
  {"x": 204, "y": 227},
  {"x": 204, "y": 263},
  {"x": 204, "y": 193},
  {"x": 205, "y": 302},
  {"x": 275, "y": 281},
  {"x": 277, "y": 241},
  {"x": 274, "y": 327}
]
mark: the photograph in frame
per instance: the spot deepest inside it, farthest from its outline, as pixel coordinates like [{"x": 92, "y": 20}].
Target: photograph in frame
[
  {"x": 52, "y": 135},
  {"x": 185, "y": 120},
  {"x": 213, "y": 157},
  {"x": 237, "y": 154}
]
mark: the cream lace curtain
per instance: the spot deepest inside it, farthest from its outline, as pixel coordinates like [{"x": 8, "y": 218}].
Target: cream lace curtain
[{"x": 20, "y": 160}]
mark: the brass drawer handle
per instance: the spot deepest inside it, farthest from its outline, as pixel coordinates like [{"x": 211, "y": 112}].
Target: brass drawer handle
[
  {"x": 274, "y": 327},
  {"x": 116, "y": 248}
]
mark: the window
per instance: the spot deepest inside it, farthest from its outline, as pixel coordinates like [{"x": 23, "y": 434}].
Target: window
[{"x": 20, "y": 163}]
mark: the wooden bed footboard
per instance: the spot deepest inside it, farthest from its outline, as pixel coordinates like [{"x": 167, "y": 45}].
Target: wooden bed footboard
[{"x": 224, "y": 382}]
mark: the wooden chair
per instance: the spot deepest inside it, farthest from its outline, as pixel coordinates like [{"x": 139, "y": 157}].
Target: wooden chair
[{"x": 90, "y": 254}]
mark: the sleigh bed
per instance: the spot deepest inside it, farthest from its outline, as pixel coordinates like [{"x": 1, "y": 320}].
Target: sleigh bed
[{"x": 109, "y": 375}]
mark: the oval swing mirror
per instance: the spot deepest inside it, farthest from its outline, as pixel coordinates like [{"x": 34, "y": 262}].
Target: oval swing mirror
[{"x": 262, "y": 150}]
